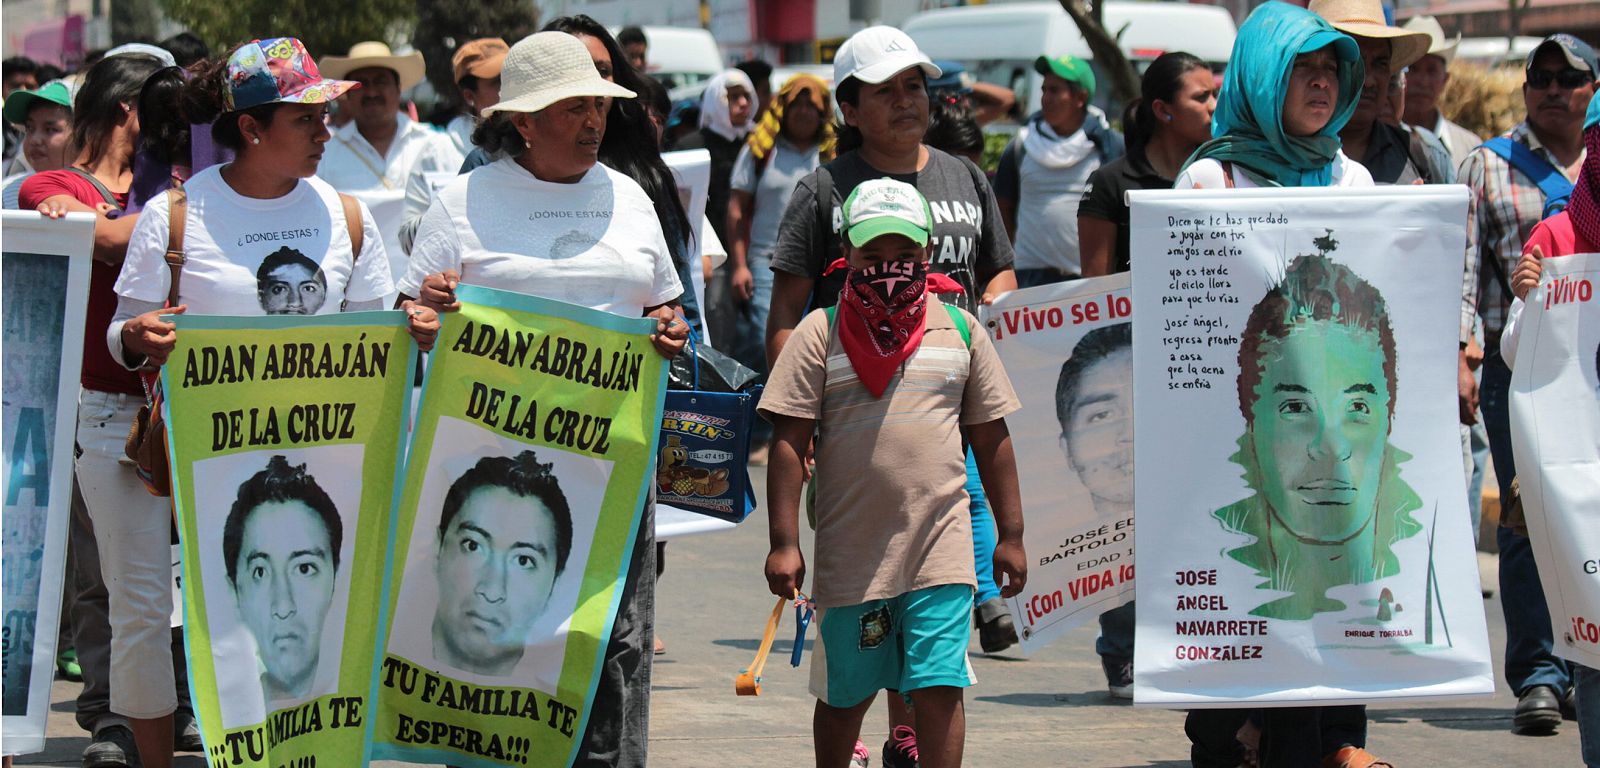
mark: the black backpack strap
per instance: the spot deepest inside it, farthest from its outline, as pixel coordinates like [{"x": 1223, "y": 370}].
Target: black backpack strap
[
  {"x": 105, "y": 194},
  {"x": 825, "y": 289}
]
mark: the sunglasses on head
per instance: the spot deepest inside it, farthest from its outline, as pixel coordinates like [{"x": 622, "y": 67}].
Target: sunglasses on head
[{"x": 1540, "y": 79}]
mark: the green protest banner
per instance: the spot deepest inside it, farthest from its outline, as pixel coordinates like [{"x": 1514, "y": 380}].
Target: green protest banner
[
  {"x": 285, "y": 437},
  {"x": 528, "y": 469}
]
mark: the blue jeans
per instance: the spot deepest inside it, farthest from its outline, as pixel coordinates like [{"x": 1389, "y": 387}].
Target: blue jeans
[
  {"x": 1530, "y": 655},
  {"x": 750, "y": 349},
  {"x": 984, "y": 535},
  {"x": 1029, "y": 278},
  {"x": 1588, "y": 680},
  {"x": 1116, "y": 634}
]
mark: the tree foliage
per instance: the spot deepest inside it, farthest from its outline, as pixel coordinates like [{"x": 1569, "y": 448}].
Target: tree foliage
[
  {"x": 443, "y": 25},
  {"x": 325, "y": 28}
]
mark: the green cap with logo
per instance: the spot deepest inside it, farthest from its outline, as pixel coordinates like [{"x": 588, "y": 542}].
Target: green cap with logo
[
  {"x": 1069, "y": 68},
  {"x": 886, "y": 207},
  {"x": 54, "y": 92}
]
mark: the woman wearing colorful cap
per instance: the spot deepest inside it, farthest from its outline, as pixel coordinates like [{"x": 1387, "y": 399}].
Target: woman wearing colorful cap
[
  {"x": 261, "y": 235},
  {"x": 1292, "y": 84},
  {"x": 46, "y": 118},
  {"x": 602, "y": 247}
]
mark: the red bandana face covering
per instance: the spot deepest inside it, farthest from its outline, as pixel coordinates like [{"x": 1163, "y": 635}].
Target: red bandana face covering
[
  {"x": 1584, "y": 210},
  {"x": 882, "y": 314}
]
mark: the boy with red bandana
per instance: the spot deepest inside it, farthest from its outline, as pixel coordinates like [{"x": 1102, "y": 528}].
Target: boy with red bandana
[{"x": 891, "y": 381}]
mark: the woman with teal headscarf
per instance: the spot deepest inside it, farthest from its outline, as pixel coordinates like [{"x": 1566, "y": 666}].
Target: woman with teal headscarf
[{"x": 1291, "y": 85}]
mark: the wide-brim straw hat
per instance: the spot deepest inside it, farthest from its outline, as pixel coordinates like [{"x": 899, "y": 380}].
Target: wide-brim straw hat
[
  {"x": 1438, "y": 44},
  {"x": 1364, "y": 18},
  {"x": 546, "y": 67},
  {"x": 410, "y": 68}
]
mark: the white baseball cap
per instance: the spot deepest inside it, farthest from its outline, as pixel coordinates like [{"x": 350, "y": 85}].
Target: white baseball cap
[
  {"x": 880, "y": 207},
  {"x": 546, "y": 67},
  {"x": 876, "y": 54}
]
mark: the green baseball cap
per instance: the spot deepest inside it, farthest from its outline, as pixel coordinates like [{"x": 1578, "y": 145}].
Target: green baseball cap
[
  {"x": 886, "y": 207},
  {"x": 1069, "y": 68},
  {"x": 54, "y": 92}
]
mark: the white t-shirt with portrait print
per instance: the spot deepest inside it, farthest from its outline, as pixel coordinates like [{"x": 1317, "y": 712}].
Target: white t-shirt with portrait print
[
  {"x": 595, "y": 243},
  {"x": 248, "y": 256}
]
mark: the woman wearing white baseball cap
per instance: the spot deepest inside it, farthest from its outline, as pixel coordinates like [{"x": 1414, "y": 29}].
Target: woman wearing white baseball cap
[
  {"x": 549, "y": 220},
  {"x": 881, "y": 89}
]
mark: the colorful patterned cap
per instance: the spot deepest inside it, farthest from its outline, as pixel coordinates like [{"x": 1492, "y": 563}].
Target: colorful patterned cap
[{"x": 278, "y": 69}]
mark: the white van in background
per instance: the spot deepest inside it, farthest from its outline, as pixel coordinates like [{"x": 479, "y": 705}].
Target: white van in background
[
  {"x": 681, "y": 55},
  {"x": 998, "y": 43}
]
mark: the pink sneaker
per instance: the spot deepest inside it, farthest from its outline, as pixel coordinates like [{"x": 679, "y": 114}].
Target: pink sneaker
[
  {"x": 900, "y": 751},
  {"x": 860, "y": 758}
]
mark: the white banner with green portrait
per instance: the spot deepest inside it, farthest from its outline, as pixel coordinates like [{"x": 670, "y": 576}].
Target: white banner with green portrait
[{"x": 1303, "y": 531}]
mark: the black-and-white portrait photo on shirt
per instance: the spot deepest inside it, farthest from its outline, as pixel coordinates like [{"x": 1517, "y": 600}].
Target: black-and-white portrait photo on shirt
[{"x": 289, "y": 283}]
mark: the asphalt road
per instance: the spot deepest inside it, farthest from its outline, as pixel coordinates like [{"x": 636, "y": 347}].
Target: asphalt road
[{"x": 1048, "y": 710}]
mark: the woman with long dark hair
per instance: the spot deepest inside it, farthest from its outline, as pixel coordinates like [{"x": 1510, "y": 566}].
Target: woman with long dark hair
[
  {"x": 1171, "y": 119},
  {"x": 135, "y": 526}
]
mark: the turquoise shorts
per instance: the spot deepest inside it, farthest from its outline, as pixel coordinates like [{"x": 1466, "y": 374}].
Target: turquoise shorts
[{"x": 905, "y": 643}]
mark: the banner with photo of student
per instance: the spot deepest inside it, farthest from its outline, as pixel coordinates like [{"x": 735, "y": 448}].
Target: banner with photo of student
[
  {"x": 44, "y": 279},
  {"x": 1555, "y": 426},
  {"x": 532, "y": 457},
  {"x": 285, "y": 435},
  {"x": 1302, "y": 518},
  {"x": 1069, "y": 350}
]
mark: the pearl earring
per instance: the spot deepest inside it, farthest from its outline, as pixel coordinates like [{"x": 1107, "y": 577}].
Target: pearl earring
[{"x": 258, "y": 141}]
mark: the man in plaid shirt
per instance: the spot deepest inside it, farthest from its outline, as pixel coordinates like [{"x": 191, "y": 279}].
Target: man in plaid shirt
[{"x": 1506, "y": 204}]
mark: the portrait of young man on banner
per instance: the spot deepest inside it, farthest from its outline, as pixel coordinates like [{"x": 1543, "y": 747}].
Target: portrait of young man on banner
[
  {"x": 1069, "y": 350},
  {"x": 1317, "y": 388},
  {"x": 278, "y": 532},
  {"x": 490, "y": 587}
]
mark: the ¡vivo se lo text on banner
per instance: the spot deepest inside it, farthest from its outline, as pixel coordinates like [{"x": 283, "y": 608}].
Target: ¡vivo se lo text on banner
[{"x": 1069, "y": 350}]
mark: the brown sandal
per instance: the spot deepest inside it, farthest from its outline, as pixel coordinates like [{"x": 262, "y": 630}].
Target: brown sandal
[{"x": 1354, "y": 757}]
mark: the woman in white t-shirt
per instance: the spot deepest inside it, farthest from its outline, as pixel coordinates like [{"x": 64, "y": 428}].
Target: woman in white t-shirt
[
  {"x": 1291, "y": 85},
  {"x": 549, "y": 220},
  {"x": 262, "y": 234}
]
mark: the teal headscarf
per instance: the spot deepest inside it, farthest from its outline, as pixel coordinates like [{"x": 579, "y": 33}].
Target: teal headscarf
[{"x": 1248, "y": 124}]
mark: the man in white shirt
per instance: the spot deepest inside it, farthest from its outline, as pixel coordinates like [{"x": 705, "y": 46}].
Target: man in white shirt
[
  {"x": 1425, "y": 83},
  {"x": 378, "y": 149}
]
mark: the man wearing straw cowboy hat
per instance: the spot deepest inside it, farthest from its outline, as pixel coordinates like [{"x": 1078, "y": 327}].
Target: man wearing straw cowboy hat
[
  {"x": 1425, "y": 83},
  {"x": 380, "y": 147},
  {"x": 1388, "y": 152}
]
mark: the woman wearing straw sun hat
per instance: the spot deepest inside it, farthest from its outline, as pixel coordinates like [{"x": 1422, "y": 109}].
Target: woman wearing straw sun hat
[{"x": 599, "y": 244}]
